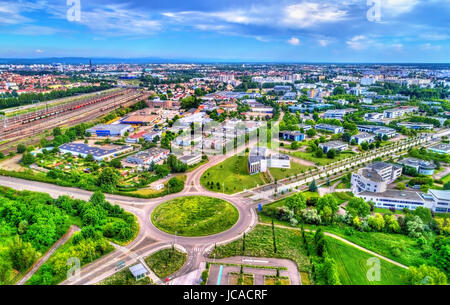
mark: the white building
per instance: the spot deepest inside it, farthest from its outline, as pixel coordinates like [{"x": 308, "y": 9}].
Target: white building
[
  {"x": 375, "y": 178},
  {"x": 259, "y": 161},
  {"x": 363, "y": 137}
]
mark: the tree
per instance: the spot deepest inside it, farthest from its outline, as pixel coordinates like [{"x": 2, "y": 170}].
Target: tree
[
  {"x": 28, "y": 159},
  {"x": 424, "y": 214},
  {"x": 339, "y": 90},
  {"x": 331, "y": 154},
  {"x": 21, "y": 148},
  {"x": 57, "y": 131},
  {"x": 313, "y": 186},
  {"x": 22, "y": 254},
  {"x": 426, "y": 275},
  {"x": 358, "y": 207},
  {"x": 447, "y": 186},
  {"x": 376, "y": 222},
  {"x": 414, "y": 226},
  {"x": 296, "y": 202},
  {"x": 5, "y": 270},
  {"x": 107, "y": 179},
  {"x": 311, "y": 216},
  {"x": 327, "y": 206},
  {"x": 401, "y": 186},
  {"x": 311, "y": 132},
  {"x": 116, "y": 163}
]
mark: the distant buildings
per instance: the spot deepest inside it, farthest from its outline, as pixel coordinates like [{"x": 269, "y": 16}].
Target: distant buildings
[
  {"x": 99, "y": 153},
  {"x": 330, "y": 128},
  {"x": 441, "y": 148},
  {"x": 421, "y": 166},
  {"x": 336, "y": 145},
  {"x": 260, "y": 161},
  {"x": 399, "y": 112}
]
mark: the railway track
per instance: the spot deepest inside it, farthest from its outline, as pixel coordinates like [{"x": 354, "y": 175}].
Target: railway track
[{"x": 76, "y": 116}]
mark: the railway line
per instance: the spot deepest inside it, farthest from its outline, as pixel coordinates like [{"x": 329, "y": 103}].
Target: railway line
[{"x": 72, "y": 114}]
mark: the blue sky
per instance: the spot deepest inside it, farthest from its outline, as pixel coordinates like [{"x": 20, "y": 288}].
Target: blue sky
[{"x": 240, "y": 30}]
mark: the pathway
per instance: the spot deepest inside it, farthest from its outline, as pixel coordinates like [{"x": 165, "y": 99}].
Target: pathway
[{"x": 47, "y": 255}]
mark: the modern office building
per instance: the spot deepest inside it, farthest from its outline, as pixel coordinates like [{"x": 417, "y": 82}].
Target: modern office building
[
  {"x": 292, "y": 135},
  {"x": 363, "y": 137},
  {"x": 380, "y": 131},
  {"x": 416, "y": 126},
  {"x": 336, "y": 145},
  {"x": 441, "y": 148},
  {"x": 260, "y": 161},
  {"x": 330, "y": 128},
  {"x": 375, "y": 178},
  {"x": 421, "y": 166}
]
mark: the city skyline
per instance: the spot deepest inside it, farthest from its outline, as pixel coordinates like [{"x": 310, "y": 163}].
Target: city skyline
[{"x": 356, "y": 31}]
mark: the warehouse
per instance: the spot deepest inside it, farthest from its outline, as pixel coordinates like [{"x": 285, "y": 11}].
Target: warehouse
[
  {"x": 113, "y": 130},
  {"x": 99, "y": 154},
  {"x": 146, "y": 157},
  {"x": 140, "y": 120}
]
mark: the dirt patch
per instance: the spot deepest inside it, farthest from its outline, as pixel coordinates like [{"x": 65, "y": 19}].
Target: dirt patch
[{"x": 12, "y": 164}]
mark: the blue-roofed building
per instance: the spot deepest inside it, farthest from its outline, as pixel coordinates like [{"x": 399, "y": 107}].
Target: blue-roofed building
[
  {"x": 330, "y": 128},
  {"x": 113, "y": 130},
  {"x": 99, "y": 154},
  {"x": 292, "y": 135}
]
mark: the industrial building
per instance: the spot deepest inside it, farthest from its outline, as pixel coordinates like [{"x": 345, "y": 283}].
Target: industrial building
[
  {"x": 99, "y": 154},
  {"x": 292, "y": 135},
  {"x": 112, "y": 130},
  {"x": 146, "y": 157},
  {"x": 363, "y": 137}
]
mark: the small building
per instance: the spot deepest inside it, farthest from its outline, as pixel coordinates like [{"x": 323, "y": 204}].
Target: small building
[
  {"x": 146, "y": 157},
  {"x": 330, "y": 128},
  {"x": 421, "y": 166},
  {"x": 304, "y": 126},
  {"x": 113, "y": 130},
  {"x": 191, "y": 159},
  {"x": 441, "y": 148},
  {"x": 336, "y": 145},
  {"x": 363, "y": 137},
  {"x": 150, "y": 136},
  {"x": 139, "y": 271},
  {"x": 380, "y": 131},
  {"x": 292, "y": 135},
  {"x": 134, "y": 138},
  {"x": 260, "y": 161}
]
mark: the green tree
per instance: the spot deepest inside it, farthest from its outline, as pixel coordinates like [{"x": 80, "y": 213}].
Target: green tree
[
  {"x": 426, "y": 275},
  {"x": 28, "y": 159},
  {"x": 107, "y": 179},
  {"x": 358, "y": 207},
  {"x": 296, "y": 202},
  {"x": 312, "y": 186},
  {"x": 327, "y": 206},
  {"x": 21, "y": 148},
  {"x": 22, "y": 254}
]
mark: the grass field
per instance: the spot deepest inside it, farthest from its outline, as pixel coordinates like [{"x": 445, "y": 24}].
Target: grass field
[
  {"x": 124, "y": 277},
  {"x": 166, "y": 262},
  {"x": 232, "y": 176},
  {"x": 320, "y": 161},
  {"x": 446, "y": 179},
  {"x": 282, "y": 173},
  {"x": 195, "y": 216},
  {"x": 353, "y": 266},
  {"x": 259, "y": 243}
]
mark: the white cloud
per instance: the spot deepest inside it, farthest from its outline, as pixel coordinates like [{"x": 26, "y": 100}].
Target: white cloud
[
  {"x": 294, "y": 41},
  {"x": 323, "y": 42},
  {"x": 398, "y": 7},
  {"x": 39, "y": 51},
  {"x": 359, "y": 42},
  {"x": 430, "y": 47},
  {"x": 307, "y": 14}
]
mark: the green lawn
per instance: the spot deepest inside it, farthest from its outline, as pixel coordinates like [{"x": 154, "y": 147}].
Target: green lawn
[
  {"x": 282, "y": 173},
  {"x": 232, "y": 176},
  {"x": 352, "y": 266},
  {"x": 124, "y": 277},
  {"x": 195, "y": 216},
  {"x": 446, "y": 179},
  {"x": 320, "y": 161},
  {"x": 166, "y": 262},
  {"x": 259, "y": 243}
]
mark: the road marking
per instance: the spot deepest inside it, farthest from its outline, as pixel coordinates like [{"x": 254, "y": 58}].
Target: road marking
[{"x": 220, "y": 275}]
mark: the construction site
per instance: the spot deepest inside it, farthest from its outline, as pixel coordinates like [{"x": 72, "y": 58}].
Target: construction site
[{"x": 25, "y": 126}]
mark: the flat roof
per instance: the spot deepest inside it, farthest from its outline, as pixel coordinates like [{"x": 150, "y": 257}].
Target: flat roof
[
  {"x": 397, "y": 194},
  {"x": 441, "y": 146},
  {"x": 443, "y": 195},
  {"x": 138, "y": 270},
  {"x": 81, "y": 148},
  {"x": 334, "y": 144},
  {"x": 111, "y": 127}
]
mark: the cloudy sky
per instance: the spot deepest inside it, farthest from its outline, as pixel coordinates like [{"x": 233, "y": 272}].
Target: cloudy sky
[{"x": 238, "y": 30}]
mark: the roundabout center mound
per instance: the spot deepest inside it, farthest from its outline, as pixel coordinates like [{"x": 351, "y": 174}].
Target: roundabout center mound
[{"x": 195, "y": 216}]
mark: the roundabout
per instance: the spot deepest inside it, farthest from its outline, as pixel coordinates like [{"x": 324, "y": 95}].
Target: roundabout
[{"x": 195, "y": 216}]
